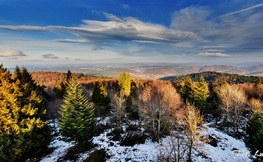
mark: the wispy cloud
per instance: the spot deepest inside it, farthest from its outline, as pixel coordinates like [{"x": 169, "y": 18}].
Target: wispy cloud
[
  {"x": 183, "y": 45},
  {"x": 246, "y": 9},
  {"x": 141, "y": 41},
  {"x": 96, "y": 47},
  {"x": 213, "y": 50},
  {"x": 72, "y": 40},
  {"x": 116, "y": 29},
  {"x": 11, "y": 53},
  {"x": 125, "y": 6},
  {"x": 23, "y": 27},
  {"x": 212, "y": 53},
  {"x": 49, "y": 56}
]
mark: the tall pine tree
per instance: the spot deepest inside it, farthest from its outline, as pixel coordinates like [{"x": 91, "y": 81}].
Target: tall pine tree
[
  {"x": 200, "y": 95},
  {"x": 77, "y": 123},
  {"x": 23, "y": 132},
  {"x": 186, "y": 90}
]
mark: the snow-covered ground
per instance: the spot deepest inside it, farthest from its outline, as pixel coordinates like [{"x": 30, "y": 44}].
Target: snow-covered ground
[{"x": 227, "y": 149}]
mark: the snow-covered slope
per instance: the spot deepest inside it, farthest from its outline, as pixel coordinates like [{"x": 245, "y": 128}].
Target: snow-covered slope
[{"x": 227, "y": 149}]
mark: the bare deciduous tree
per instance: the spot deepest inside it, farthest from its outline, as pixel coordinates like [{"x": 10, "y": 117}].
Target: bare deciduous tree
[
  {"x": 159, "y": 103},
  {"x": 193, "y": 126},
  {"x": 175, "y": 148},
  {"x": 233, "y": 99},
  {"x": 119, "y": 106}
]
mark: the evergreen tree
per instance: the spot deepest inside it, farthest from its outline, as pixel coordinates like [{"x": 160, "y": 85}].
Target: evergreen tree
[
  {"x": 222, "y": 82},
  {"x": 23, "y": 132},
  {"x": 77, "y": 123},
  {"x": 200, "y": 95},
  {"x": 60, "y": 89},
  {"x": 254, "y": 131},
  {"x": 186, "y": 90},
  {"x": 100, "y": 95},
  {"x": 68, "y": 76},
  {"x": 214, "y": 102},
  {"x": 125, "y": 83},
  {"x": 258, "y": 83}
]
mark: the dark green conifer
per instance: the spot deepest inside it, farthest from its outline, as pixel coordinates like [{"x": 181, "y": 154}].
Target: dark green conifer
[
  {"x": 254, "y": 130},
  {"x": 100, "y": 95},
  {"x": 200, "y": 95},
  {"x": 77, "y": 123},
  {"x": 186, "y": 91}
]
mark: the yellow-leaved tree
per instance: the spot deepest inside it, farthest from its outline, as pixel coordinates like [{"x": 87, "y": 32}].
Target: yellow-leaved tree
[
  {"x": 23, "y": 132},
  {"x": 125, "y": 83}
]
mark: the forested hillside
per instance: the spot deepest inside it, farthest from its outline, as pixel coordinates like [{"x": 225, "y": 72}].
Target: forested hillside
[
  {"x": 216, "y": 76},
  {"x": 89, "y": 118},
  {"x": 50, "y": 79}
]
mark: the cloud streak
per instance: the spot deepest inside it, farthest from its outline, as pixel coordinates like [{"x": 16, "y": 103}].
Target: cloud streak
[
  {"x": 96, "y": 47},
  {"x": 246, "y": 9},
  {"x": 24, "y": 28},
  {"x": 212, "y": 53},
  {"x": 49, "y": 56}
]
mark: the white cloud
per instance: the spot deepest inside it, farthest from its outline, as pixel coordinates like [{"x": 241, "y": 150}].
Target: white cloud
[
  {"x": 23, "y": 27},
  {"x": 140, "y": 41},
  {"x": 209, "y": 54},
  {"x": 11, "y": 53},
  {"x": 125, "y": 6},
  {"x": 127, "y": 29},
  {"x": 49, "y": 56},
  {"x": 212, "y": 50}
]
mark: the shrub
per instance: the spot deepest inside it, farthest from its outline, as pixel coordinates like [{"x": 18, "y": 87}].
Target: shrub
[
  {"x": 133, "y": 137},
  {"x": 98, "y": 156}
]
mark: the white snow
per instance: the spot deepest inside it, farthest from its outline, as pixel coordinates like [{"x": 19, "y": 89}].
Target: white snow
[{"x": 149, "y": 151}]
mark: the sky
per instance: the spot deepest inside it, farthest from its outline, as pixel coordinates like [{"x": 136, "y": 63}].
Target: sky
[{"x": 62, "y": 32}]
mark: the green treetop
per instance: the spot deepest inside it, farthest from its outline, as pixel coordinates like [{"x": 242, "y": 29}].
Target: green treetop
[{"x": 200, "y": 95}]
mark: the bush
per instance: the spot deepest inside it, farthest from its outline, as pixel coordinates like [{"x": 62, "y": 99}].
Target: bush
[
  {"x": 133, "y": 137},
  {"x": 133, "y": 112},
  {"x": 116, "y": 133},
  {"x": 98, "y": 156}
]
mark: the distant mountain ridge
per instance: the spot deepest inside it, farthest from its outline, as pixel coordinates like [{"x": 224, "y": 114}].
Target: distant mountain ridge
[
  {"x": 155, "y": 70},
  {"x": 216, "y": 76}
]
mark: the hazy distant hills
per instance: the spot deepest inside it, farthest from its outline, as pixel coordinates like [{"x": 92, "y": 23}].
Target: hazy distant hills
[{"x": 155, "y": 70}]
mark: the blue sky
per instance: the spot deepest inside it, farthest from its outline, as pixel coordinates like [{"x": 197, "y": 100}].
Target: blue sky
[{"x": 54, "y": 32}]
